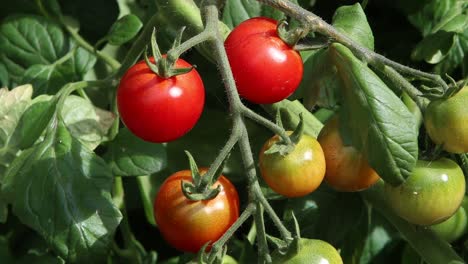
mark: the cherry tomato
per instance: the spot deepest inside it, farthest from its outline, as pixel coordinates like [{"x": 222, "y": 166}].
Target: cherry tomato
[
  {"x": 157, "y": 109},
  {"x": 431, "y": 194},
  {"x": 311, "y": 251},
  {"x": 187, "y": 225},
  {"x": 454, "y": 227},
  {"x": 347, "y": 168},
  {"x": 297, "y": 173},
  {"x": 265, "y": 68},
  {"x": 446, "y": 122}
]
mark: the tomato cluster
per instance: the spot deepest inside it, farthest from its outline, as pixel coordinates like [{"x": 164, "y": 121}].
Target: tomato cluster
[{"x": 158, "y": 109}]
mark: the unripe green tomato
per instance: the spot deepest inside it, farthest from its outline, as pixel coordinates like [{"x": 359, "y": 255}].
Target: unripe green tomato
[
  {"x": 446, "y": 122},
  {"x": 431, "y": 194},
  {"x": 229, "y": 260},
  {"x": 312, "y": 251},
  {"x": 454, "y": 227}
]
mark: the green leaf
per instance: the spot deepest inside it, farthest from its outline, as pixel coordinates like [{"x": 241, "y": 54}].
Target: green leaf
[
  {"x": 236, "y": 11},
  {"x": 124, "y": 29},
  {"x": 455, "y": 57},
  {"x": 147, "y": 197},
  {"x": 48, "y": 79},
  {"x": 434, "y": 48},
  {"x": 129, "y": 155},
  {"x": 33, "y": 122},
  {"x": 12, "y": 105},
  {"x": 378, "y": 122},
  {"x": 61, "y": 189},
  {"x": 86, "y": 122},
  {"x": 4, "y": 79},
  {"x": 352, "y": 21},
  {"x": 20, "y": 47}
]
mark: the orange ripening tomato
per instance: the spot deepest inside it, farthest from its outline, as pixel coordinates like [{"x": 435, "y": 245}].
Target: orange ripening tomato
[
  {"x": 347, "y": 168},
  {"x": 187, "y": 225}
]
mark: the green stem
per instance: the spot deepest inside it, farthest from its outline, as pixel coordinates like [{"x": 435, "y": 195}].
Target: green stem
[
  {"x": 263, "y": 252},
  {"x": 114, "y": 64},
  {"x": 218, "y": 245},
  {"x": 316, "y": 24},
  {"x": 267, "y": 123}
]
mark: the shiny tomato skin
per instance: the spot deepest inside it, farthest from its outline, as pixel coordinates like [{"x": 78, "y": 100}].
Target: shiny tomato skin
[
  {"x": 347, "y": 169},
  {"x": 446, "y": 122},
  {"x": 187, "y": 225},
  {"x": 265, "y": 68},
  {"x": 431, "y": 194},
  {"x": 157, "y": 109},
  {"x": 296, "y": 174}
]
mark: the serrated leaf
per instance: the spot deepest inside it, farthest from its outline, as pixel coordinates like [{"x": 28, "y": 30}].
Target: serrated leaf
[
  {"x": 129, "y": 155},
  {"x": 434, "y": 48},
  {"x": 236, "y": 11},
  {"x": 379, "y": 124},
  {"x": 124, "y": 29},
  {"x": 30, "y": 40},
  {"x": 61, "y": 189},
  {"x": 352, "y": 21},
  {"x": 86, "y": 122}
]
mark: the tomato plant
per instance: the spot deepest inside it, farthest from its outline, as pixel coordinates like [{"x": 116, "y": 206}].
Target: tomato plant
[
  {"x": 347, "y": 169},
  {"x": 265, "y": 68},
  {"x": 91, "y": 126},
  {"x": 297, "y": 173},
  {"x": 446, "y": 121},
  {"x": 432, "y": 193},
  {"x": 160, "y": 109},
  {"x": 188, "y": 225}
]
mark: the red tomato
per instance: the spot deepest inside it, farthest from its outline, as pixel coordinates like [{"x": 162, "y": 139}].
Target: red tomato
[
  {"x": 157, "y": 109},
  {"x": 187, "y": 225},
  {"x": 265, "y": 68}
]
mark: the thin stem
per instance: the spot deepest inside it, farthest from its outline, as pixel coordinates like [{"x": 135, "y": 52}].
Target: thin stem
[
  {"x": 188, "y": 44},
  {"x": 400, "y": 81},
  {"x": 114, "y": 64},
  {"x": 285, "y": 234},
  {"x": 266, "y": 123},
  {"x": 246, "y": 214},
  {"x": 233, "y": 139},
  {"x": 264, "y": 255},
  {"x": 317, "y": 24}
]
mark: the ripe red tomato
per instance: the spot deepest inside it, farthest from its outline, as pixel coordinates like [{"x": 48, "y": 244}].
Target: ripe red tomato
[
  {"x": 157, "y": 109},
  {"x": 187, "y": 225},
  {"x": 265, "y": 68},
  {"x": 297, "y": 173},
  {"x": 347, "y": 168}
]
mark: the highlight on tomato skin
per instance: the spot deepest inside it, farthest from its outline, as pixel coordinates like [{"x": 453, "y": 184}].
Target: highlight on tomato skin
[
  {"x": 265, "y": 68},
  {"x": 156, "y": 109},
  {"x": 297, "y": 173},
  {"x": 431, "y": 194},
  {"x": 347, "y": 169},
  {"x": 188, "y": 225}
]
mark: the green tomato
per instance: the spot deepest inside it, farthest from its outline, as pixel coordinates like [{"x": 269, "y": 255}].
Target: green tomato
[
  {"x": 446, "y": 122},
  {"x": 311, "y": 251},
  {"x": 454, "y": 227},
  {"x": 431, "y": 194}
]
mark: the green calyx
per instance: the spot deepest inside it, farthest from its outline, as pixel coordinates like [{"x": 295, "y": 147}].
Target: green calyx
[
  {"x": 282, "y": 147},
  {"x": 201, "y": 187},
  {"x": 163, "y": 66}
]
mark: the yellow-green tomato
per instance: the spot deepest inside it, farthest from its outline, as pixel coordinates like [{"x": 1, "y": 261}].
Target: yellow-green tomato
[
  {"x": 311, "y": 251},
  {"x": 454, "y": 227},
  {"x": 431, "y": 194},
  {"x": 296, "y": 174},
  {"x": 446, "y": 122}
]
